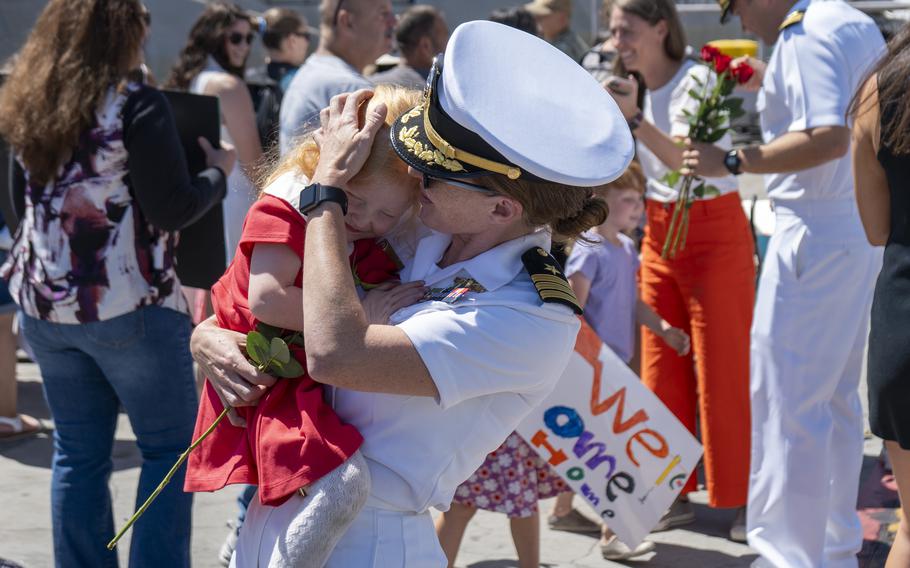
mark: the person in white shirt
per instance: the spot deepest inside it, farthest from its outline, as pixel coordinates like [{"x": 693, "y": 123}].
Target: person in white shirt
[
  {"x": 451, "y": 376},
  {"x": 815, "y": 291},
  {"x": 352, "y": 34},
  {"x": 708, "y": 287}
]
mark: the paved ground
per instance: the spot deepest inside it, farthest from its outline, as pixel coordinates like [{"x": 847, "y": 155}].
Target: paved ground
[{"x": 25, "y": 519}]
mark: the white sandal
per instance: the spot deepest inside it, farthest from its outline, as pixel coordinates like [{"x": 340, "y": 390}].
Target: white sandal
[{"x": 18, "y": 428}]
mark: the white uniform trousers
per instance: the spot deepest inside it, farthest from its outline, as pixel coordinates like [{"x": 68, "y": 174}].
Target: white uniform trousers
[
  {"x": 378, "y": 538},
  {"x": 808, "y": 335}
]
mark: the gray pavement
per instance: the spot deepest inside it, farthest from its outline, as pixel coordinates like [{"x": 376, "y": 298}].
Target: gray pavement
[{"x": 25, "y": 517}]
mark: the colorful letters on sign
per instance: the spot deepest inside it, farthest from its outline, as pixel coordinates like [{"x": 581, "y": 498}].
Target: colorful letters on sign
[{"x": 612, "y": 439}]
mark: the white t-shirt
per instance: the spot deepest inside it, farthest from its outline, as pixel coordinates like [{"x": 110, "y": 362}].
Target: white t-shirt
[
  {"x": 663, "y": 108},
  {"x": 816, "y": 67},
  {"x": 494, "y": 356}
]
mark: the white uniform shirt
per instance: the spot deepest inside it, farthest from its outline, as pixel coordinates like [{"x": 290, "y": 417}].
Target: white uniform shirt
[
  {"x": 493, "y": 356},
  {"x": 663, "y": 108},
  {"x": 816, "y": 67}
]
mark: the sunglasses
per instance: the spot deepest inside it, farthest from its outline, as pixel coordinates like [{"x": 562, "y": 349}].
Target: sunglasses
[
  {"x": 146, "y": 18},
  {"x": 428, "y": 179},
  {"x": 304, "y": 35},
  {"x": 236, "y": 38}
]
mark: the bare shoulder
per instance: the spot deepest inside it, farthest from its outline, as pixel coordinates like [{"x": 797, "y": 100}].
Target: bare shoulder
[
  {"x": 224, "y": 84},
  {"x": 867, "y": 111}
]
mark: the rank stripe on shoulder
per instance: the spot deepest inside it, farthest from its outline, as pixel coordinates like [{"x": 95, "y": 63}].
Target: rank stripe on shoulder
[
  {"x": 548, "y": 279},
  {"x": 794, "y": 18}
]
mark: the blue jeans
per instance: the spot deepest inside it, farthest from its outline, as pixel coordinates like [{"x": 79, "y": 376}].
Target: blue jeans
[{"x": 141, "y": 360}]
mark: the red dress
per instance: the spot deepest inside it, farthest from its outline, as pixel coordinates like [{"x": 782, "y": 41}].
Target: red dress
[{"x": 293, "y": 437}]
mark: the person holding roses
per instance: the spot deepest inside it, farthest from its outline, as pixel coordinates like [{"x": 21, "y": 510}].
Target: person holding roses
[
  {"x": 708, "y": 288},
  {"x": 815, "y": 290},
  {"x": 449, "y": 378}
]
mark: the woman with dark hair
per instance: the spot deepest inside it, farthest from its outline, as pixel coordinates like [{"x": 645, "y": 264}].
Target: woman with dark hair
[
  {"x": 92, "y": 268},
  {"x": 708, "y": 289},
  {"x": 212, "y": 63},
  {"x": 881, "y": 165}
]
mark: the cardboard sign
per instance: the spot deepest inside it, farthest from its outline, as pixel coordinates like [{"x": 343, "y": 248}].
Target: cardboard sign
[{"x": 613, "y": 441}]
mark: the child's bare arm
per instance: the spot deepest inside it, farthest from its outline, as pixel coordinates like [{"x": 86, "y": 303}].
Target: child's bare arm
[
  {"x": 273, "y": 297},
  {"x": 581, "y": 286},
  {"x": 676, "y": 338}
]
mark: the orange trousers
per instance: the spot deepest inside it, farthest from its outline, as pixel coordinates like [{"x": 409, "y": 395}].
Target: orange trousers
[{"x": 708, "y": 290}]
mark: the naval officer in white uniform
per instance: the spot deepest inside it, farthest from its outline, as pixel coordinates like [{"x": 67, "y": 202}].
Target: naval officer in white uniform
[
  {"x": 508, "y": 156},
  {"x": 815, "y": 290}
]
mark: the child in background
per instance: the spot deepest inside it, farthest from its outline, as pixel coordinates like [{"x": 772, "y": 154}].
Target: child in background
[
  {"x": 602, "y": 273},
  {"x": 294, "y": 446}
]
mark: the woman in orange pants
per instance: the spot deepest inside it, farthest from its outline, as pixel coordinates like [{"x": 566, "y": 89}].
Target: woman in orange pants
[{"x": 708, "y": 288}]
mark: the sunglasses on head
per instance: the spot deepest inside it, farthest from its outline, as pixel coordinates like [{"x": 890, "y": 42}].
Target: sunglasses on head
[
  {"x": 237, "y": 38},
  {"x": 428, "y": 179}
]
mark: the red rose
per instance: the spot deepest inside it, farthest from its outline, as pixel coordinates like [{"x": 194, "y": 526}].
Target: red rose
[
  {"x": 722, "y": 63},
  {"x": 373, "y": 263},
  {"x": 709, "y": 52},
  {"x": 742, "y": 73}
]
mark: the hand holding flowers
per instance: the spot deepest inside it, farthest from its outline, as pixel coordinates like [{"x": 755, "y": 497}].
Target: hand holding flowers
[{"x": 707, "y": 124}]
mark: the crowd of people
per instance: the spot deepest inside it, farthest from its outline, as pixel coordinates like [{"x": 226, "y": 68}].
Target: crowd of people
[{"x": 435, "y": 202}]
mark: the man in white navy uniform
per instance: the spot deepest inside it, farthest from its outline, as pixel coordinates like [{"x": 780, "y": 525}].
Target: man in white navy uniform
[
  {"x": 506, "y": 154},
  {"x": 815, "y": 290}
]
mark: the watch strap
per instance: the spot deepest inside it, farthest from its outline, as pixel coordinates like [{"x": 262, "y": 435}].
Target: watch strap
[{"x": 314, "y": 194}]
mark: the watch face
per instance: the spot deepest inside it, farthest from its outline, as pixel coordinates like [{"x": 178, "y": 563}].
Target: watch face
[{"x": 731, "y": 160}]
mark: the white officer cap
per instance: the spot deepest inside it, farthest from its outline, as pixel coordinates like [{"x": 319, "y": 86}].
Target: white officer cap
[{"x": 503, "y": 101}]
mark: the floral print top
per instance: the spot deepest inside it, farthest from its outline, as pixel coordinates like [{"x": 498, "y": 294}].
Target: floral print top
[{"x": 84, "y": 251}]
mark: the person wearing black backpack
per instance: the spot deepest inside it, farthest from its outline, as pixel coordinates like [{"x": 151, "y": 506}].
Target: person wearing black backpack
[{"x": 286, "y": 38}]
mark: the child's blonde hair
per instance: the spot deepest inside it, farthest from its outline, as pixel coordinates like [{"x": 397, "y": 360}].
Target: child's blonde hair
[
  {"x": 382, "y": 159},
  {"x": 305, "y": 154},
  {"x": 632, "y": 178}
]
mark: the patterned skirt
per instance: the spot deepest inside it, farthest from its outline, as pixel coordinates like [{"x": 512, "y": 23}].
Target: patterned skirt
[{"x": 510, "y": 481}]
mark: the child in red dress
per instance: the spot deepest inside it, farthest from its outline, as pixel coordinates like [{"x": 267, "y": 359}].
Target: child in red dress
[{"x": 293, "y": 440}]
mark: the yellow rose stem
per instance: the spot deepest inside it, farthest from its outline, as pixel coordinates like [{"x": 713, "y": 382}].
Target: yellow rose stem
[{"x": 170, "y": 474}]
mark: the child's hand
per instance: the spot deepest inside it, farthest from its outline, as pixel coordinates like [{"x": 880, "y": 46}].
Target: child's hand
[
  {"x": 387, "y": 298},
  {"x": 678, "y": 340}
]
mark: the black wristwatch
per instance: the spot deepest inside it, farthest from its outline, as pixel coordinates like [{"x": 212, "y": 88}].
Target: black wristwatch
[
  {"x": 733, "y": 162},
  {"x": 314, "y": 194}
]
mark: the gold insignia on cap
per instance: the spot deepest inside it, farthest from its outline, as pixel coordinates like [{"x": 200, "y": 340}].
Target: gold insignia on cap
[
  {"x": 549, "y": 280},
  {"x": 427, "y": 153},
  {"x": 794, "y": 18}
]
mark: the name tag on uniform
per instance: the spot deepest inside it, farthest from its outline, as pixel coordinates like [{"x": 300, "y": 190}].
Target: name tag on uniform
[{"x": 455, "y": 292}]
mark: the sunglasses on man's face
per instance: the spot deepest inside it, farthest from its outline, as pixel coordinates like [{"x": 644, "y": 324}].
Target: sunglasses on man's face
[
  {"x": 146, "y": 18},
  {"x": 303, "y": 34},
  {"x": 236, "y": 38},
  {"x": 428, "y": 179}
]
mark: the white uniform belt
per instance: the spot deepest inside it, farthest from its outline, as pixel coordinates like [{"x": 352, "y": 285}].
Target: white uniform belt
[{"x": 809, "y": 209}]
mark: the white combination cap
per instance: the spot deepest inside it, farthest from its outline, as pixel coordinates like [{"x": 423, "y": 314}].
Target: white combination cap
[{"x": 503, "y": 101}]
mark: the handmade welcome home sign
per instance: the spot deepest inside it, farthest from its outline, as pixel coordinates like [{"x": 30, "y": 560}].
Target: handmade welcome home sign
[{"x": 613, "y": 441}]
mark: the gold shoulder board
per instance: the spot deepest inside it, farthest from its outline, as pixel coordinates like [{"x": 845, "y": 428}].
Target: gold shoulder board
[
  {"x": 548, "y": 278},
  {"x": 794, "y": 18}
]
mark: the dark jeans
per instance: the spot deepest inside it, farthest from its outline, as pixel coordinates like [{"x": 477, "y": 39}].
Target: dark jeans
[{"x": 141, "y": 360}]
